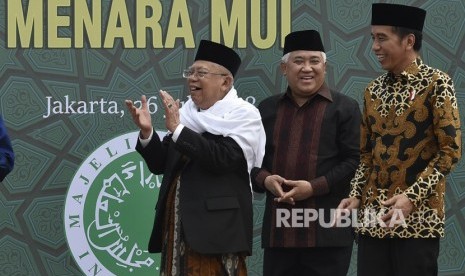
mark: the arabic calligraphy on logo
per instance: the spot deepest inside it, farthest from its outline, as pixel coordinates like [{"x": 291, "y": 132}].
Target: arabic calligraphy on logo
[{"x": 109, "y": 211}]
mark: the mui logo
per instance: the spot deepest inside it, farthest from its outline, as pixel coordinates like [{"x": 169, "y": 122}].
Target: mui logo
[{"x": 109, "y": 211}]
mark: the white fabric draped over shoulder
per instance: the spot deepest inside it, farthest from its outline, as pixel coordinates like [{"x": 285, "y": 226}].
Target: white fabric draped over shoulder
[{"x": 231, "y": 117}]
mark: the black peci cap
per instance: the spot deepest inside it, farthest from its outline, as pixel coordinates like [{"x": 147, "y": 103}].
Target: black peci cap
[
  {"x": 219, "y": 54},
  {"x": 398, "y": 16},
  {"x": 308, "y": 40}
]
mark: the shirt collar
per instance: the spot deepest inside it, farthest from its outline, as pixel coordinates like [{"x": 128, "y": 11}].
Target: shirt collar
[
  {"x": 409, "y": 72},
  {"x": 324, "y": 92}
]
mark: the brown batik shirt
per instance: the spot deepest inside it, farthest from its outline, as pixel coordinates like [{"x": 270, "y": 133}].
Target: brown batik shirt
[{"x": 410, "y": 142}]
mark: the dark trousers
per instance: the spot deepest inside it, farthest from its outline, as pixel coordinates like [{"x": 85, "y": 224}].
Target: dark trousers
[
  {"x": 397, "y": 257},
  {"x": 318, "y": 261}
]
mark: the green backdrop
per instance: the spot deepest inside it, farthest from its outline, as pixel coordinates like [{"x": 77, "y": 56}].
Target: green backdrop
[{"x": 51, "y": 150}]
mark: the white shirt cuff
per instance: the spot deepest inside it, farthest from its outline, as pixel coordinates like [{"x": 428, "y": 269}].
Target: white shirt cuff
[
  {"x": 145, "y": 142},
  {"x": 177, "y": 132}
]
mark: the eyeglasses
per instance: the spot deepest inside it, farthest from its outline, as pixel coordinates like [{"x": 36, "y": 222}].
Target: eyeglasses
[{"x": 199, "y": 74}]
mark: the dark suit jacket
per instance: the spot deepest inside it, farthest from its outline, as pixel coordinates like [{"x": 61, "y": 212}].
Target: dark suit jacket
[{"x": 215, "y": 194}]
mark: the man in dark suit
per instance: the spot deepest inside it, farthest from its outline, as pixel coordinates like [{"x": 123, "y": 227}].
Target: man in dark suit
[
  {"x": 312, "y": 151},
  {"x": 203, "y": 222}
]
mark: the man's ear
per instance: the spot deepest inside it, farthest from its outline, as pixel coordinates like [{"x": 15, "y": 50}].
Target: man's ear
[
  {"x": 227, "y": 82},
  {"x": 283, "y": 67},
  {"x": 410, "y": 40}
]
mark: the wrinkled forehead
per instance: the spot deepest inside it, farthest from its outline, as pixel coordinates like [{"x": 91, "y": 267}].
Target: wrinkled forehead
[
  {"x": 306, "y": 54},
  {"x": 204, "y": 64}
]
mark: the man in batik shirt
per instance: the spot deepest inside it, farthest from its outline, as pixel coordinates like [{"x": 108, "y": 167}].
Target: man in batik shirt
[{"x": 410, "y": 142}]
